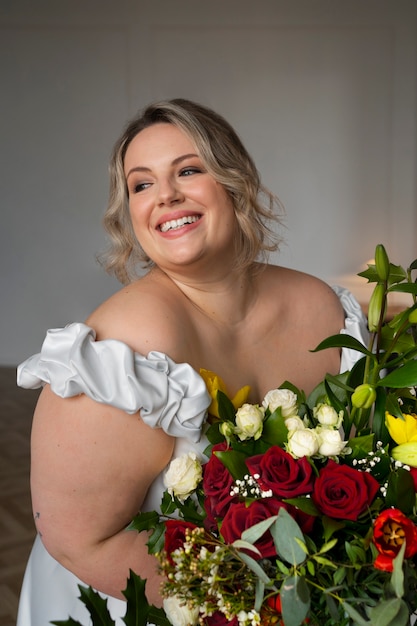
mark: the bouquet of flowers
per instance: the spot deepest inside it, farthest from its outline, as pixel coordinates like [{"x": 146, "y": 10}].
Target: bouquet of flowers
[{"x": 305, "y": 510}]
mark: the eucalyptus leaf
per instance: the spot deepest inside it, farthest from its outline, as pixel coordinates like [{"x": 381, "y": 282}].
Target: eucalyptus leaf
[
  {"x": 245, "y": 545},
  {"x": 284, "y": 530},
  {"x": 295, "y": 600},
  {"x": 357, "y": 617},
  {"x": 392, "y": 612},
  {"x": 255, "y": 532},
  {"x": 255, "y": 567},
  {"x": 259, "y": 594},
  {"x": 397, "y": 576}
]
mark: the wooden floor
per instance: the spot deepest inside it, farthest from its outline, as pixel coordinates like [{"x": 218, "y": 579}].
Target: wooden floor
[{"x": 16, "y": 522}]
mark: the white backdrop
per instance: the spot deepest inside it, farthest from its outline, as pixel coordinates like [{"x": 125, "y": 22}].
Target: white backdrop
[{"x": 322, "y": 92}]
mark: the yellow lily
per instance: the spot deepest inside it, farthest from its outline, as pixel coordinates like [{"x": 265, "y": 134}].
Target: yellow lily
[
  {"x": 402, "y": 430},
  {"x": 214, "y": 384}
]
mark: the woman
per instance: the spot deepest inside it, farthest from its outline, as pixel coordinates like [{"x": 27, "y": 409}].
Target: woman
[{"x": 123, "y": 394}]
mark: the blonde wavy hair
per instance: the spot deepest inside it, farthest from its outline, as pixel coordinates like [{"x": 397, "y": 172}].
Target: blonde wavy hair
[{"x": 225, "y": 158}]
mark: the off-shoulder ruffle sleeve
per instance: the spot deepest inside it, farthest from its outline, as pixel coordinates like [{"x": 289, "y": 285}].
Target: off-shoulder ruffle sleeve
[
  {"x": 169, "y": 395},
  {"x": 355, "y": 325}
]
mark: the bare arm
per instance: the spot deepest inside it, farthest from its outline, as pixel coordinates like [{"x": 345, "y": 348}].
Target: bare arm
[{"x": 91, "y": 468}]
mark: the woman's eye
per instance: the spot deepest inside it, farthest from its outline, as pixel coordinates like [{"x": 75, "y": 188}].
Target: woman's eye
[
  {"x": 188, "y": 171},
  {"x": 138, "y": 187}
]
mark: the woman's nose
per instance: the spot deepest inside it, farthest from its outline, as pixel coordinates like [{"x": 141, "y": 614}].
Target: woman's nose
[{"x": 169, "y": 192}]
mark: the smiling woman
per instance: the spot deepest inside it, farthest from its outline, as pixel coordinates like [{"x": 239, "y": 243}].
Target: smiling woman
[{"x": 123, "y": 391}]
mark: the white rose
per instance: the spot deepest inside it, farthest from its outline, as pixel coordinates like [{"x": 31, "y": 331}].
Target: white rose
[
  {"x": 330, "y": 442},
  {"x": 327, "y": 415},
  {"x": 294, "y": 423},
  {"x": 249, "y": 421},
  {"x": 303, "y": 442},
  {"x": 284, "y": 398},
  {"x": 183, "y": 475},
  {"x": 178, "y": 613}
]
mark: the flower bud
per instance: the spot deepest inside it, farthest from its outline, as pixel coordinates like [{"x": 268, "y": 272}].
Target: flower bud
[
  {"x": 412, "y": 318},
  {"x": 376, "y": 304},
  {"x": 381, "y": 262},
  {"x": 226, "y": 429},
  {"x": 364, "y": 396},
  {"x": 249, "y": 421}
]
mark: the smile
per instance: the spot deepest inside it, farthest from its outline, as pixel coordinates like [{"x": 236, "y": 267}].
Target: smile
[{"x": 175, "y": 224}]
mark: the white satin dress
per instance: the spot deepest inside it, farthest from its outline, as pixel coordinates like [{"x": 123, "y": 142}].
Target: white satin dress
[{"x": 169, "y": 395}]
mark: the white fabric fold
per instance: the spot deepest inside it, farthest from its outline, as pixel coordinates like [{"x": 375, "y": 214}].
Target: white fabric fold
[
  {"x": 169, "y": 395},
  {"x": 355, "y": 325}
]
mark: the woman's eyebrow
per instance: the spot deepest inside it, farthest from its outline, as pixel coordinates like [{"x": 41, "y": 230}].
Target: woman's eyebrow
[{"x": 177, "y": 160}]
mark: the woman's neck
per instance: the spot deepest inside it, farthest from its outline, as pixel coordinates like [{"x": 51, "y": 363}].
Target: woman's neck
[{"x": 227, "y": 298}]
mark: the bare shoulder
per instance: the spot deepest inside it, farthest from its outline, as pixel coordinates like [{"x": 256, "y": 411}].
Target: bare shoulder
[
  {"x": 146, "y": 315},
  {"x": 307, "y": 298}
]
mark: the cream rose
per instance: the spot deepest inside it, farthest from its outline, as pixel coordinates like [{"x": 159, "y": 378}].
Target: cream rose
[
  {"x": 330, "y": 442},
  {"x": 183, "y": 475},
  {"x": 283, "y": 398},
  {"x": 178, "y": 613},
  {"x": 327, "y": 415},
  {"x": 249, "y": 421},
  {"x": 303, "y": 442},
  {"x": 294, "y": 423}
]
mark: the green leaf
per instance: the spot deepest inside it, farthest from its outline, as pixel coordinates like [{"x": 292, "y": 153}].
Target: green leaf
[
  {"x": 392, "y": 612},
  {"x": 227, "y": 411},
  {"x": 158, "y": 617},
  {"x": 405, "y": 288},
  {"x": 295, "y": 600},
  {"x": 144, "y": 521},
  {"x": 397, "y": 576},
  {"x": 259, "y": 594},
  {"x": 405, "y": 376},
  {"x": 255, "y": 532},
  {"x": 342, "y": 341},
  {"x": 95, "y": 605},
  {"x": 304, "y": 504},
  {"x": 155, "y": 542},
  {"x": 400, "y": 491},
  {"x": 331, "y": 526},
  {"x": 234, "y": 461},
  {"x": 284, "y": 530},
  {"x": 245, "y": 545},
  {"x": 274, "y": 430},
  {"x": 255, "y": 567},
  {"x": 357, "y": 617},
  {"x": 137, "y": 603}
]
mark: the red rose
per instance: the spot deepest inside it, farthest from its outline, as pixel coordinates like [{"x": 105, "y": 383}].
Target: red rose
[
  {"x": 342, "y": 492},
  {"x": 217, "y": 483},
  {"x": 219, "y": 619},
  {"x": 279, "y": 471},
  {"x": 241, "y": 516},
  {"x": 175, "y": 535},
  {"x": 391, "y": 529}
]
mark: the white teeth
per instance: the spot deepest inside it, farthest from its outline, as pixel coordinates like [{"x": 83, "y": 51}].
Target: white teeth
[{"x": 173, "y": 224}]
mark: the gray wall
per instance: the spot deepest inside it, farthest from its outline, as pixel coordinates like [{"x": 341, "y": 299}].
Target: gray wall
[{"x": 322, "y": 92}]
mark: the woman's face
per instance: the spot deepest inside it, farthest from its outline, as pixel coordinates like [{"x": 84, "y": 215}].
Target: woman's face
[{"x": 180, "y": 214}]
